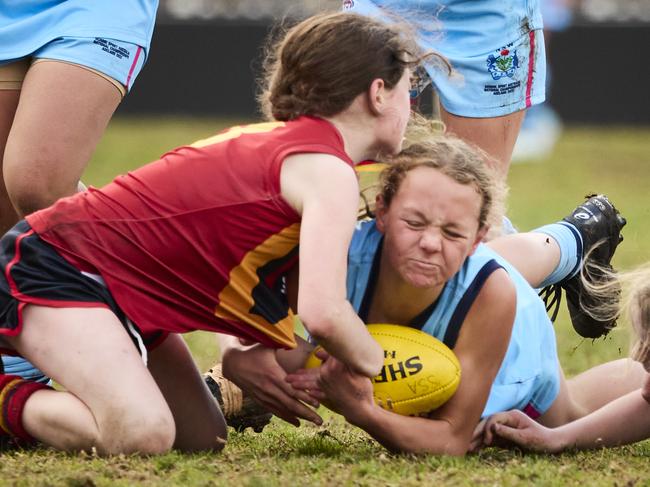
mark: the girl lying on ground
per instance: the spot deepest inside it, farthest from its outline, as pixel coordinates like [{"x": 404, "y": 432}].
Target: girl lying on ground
[{"x": 420, "y": 263}]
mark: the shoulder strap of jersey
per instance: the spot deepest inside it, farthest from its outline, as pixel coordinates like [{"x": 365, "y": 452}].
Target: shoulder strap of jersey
[{"x": 465, "y": 303}]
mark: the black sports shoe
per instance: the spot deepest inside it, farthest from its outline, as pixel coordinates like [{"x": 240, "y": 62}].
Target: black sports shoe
[
  {"x": 240, "y": 411},
  {"x": 599, "y": 224}
]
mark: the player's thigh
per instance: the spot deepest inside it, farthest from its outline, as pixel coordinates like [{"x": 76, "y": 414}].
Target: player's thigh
[
  {"x": 495, "y": 135},
  {"x": 592, "y": 389},
  {"x": 603, "y": 383},
  {"x": 62, "y": 113},
  {"x": 199, "y": 422},
  {"x": 89, "y": 353},
  {"x": 8, "y": 105},
  {"x": 563, "y": 409}
]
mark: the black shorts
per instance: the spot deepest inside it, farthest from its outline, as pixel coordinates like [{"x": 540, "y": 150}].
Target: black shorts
[{"x": 33, "y": 272}]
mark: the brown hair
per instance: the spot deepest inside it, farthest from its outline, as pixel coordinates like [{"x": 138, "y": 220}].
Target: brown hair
[
  {"x": 453, "y": 158},
  {"x": 323, "y": 63}
]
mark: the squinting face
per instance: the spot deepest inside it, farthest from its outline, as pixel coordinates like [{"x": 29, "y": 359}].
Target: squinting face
[
  {"x": 430, "y": 228},
  {"x": 395, "y": 115}
]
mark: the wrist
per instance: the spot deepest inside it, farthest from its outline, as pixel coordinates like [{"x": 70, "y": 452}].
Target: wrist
[
  {"x": 364, "y": 414},
  {"x": 561, "y": 440}
]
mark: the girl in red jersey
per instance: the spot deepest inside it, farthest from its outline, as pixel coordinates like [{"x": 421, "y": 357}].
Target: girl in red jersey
[{"x": 201, "y": 239}]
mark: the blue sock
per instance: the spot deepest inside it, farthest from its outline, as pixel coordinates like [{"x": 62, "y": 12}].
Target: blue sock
[{"x": 570, "y": 242}]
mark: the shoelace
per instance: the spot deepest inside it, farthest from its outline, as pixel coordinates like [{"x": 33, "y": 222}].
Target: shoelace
[{"x": 552, "y": 297}]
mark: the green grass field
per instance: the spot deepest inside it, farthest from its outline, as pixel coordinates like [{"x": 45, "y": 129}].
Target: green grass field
[{"x": 610, "y": 160}]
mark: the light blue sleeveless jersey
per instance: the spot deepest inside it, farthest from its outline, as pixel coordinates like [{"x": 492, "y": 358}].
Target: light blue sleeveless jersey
[
  {"x": 27, "y": 25},
  {"x": 529, "y": 377}
]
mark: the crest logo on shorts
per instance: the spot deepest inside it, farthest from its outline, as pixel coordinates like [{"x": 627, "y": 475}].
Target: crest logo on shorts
[
  {"x": 348, "y": 4},
  {"x": 503, "y": 64}
]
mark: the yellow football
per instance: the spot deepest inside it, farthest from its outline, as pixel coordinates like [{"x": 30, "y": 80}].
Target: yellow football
[{"x": 420, "y": 373}]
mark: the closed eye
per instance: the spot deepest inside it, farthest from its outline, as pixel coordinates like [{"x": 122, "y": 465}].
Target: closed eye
[
  {"x": 414, "y": 224},
  {"x": 453, "y": 234}
]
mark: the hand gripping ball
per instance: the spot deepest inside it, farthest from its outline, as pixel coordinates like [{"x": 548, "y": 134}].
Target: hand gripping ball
[{"x": 420, "y": 373}]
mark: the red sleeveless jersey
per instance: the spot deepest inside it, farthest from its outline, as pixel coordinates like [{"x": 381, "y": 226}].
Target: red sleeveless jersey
[{"x": 200, "y": 239}]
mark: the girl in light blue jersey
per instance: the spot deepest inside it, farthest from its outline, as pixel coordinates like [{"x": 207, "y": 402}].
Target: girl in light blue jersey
[
  {"x": 420, "y": 263},
  {"x": 65, "y": 65}
]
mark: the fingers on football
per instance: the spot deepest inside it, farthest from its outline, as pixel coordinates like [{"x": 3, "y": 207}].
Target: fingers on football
[{"x": 321, "y": 354}]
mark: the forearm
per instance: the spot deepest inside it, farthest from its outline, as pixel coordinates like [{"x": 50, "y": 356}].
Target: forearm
[
  {"x": 409, "y": 434},
  {"x": 228, "y": 344},
  {"x": 343, "y": 335},
  {"x": 625, "y": 420},
  {"x": 289, "y": 360}
]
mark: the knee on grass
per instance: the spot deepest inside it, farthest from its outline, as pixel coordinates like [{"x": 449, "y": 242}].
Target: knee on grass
[{"x": 149, "y": 434}]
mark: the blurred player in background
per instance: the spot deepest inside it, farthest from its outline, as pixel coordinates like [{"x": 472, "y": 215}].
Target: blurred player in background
[
  {"x": 496, "y": 48},
  {"x": 97, "y": 288},
  {"x": 65, "y": 65},
  {"x": 542, "y": 126}
]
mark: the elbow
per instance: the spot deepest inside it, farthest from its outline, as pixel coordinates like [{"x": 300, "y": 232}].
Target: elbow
[
  {"x": 457, "y": 448},
  {"x": 452, "y": 448},
  {"x": 320, "y": 320},
  {"x": 454, "y": 443}
]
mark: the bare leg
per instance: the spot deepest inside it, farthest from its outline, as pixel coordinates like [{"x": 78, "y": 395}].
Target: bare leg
[
  {"x": 62, "y": 113},
  {"x": 534, "y": 255},
  {"x": 621, "y": 376},
  {"x": 199, "y": 422},
  {"x": 112, "y": 402},
  {"x": 585, "y": 392},
  {"x": 496, "y": 136},
  {"x": 8, "y": 105}
]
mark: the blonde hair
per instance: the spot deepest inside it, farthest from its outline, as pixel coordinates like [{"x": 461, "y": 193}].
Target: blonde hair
[
  {"x": 627, "y": 294},
  {"x": 323, "y": 63}
]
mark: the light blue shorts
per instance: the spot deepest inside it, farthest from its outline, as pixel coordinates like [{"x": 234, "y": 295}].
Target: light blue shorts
[
  {"x": 121, "y": 62},
  {"x": 496, "y": 48},
  {"x": 22, "y": 368}
]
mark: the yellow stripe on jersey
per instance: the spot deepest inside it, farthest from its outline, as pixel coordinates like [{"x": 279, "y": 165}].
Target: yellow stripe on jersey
[
  {"x": 375, "y": 167},
  {"x": 237, "y": 131},
  {"x": 236, "y": 299}
]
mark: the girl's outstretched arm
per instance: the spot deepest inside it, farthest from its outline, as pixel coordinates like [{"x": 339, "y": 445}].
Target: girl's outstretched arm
[{"x": 625, "y": 420}]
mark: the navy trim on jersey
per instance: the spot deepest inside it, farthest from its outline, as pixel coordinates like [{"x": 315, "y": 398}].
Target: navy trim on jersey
[
  {"x": 420, "y": 320},
  {"x": 465, "y": 303}
]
